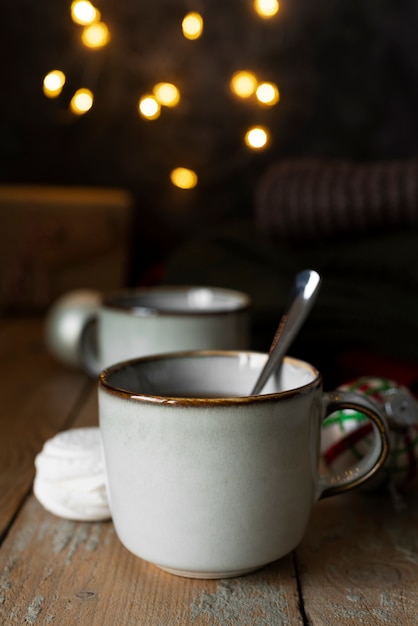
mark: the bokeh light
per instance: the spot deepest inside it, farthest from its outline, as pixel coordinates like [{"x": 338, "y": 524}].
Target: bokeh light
[
  {"x": 53, "y": 83},
  {"x": 192, "y": 25},
  {"x": 243, "y": 84},
  {"x": 266, "y": 8},
  {"x": 184, "y": 178},
  {"x": 96, "y": 35},
  {"x": 267, "y": 93},
  {"x": 149, "y": 107},
  {"x": 257, "y": 137},
  {"x": 83, "y": 12},
  {"x": 167, "y": 94},
  {"x": 82, "y": 101}
]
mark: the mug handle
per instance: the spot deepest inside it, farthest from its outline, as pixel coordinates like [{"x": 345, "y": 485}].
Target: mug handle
[
  {"x": 338, "y": 400},
  {"x": 89, "y": 347}
]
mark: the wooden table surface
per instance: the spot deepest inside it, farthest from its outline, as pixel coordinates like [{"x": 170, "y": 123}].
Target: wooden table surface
[{"x": 357, "y": 565}]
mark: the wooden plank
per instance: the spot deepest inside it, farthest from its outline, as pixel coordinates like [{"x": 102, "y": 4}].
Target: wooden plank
[
  {"x": 61, "y": 572},
  {"x": 361, "y": 555},
  {"x": 38, "y": 397},
  {"x": 88, "y": 411},
  {"x": 57, "y": 571}
]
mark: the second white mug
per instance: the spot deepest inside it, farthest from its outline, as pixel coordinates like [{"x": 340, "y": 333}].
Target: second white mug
[{"x": 144, "y": 321}]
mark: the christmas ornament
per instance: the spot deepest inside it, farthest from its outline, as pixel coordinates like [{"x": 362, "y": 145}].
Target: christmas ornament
[
  {"x": 66, "y": 321},
  {"x": 347, "y": 434}
]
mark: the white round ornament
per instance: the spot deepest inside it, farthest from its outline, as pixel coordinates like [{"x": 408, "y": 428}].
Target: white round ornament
[{"x": 66, "y": 321}]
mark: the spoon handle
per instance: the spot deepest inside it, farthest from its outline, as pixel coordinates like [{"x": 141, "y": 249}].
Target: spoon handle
[{"x": 305, "y": 291}]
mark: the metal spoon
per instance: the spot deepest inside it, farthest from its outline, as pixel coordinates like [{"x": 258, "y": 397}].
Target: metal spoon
[{"x": 305, "y": 291}]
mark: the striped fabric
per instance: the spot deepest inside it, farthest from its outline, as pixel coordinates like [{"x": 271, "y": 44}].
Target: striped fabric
[{"x": 306, "y": 200}]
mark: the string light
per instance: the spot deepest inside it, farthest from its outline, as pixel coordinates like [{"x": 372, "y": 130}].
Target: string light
[
  {"x": 167, "y": 94},
  {"x": 83, "y": 12},
  {"x": 81, "y": 102},
  {"x": 163, "y": 94},
  {"x": 243, "y": 84},
  {"x": 96, "y": 35},
  {"x": 266, "y": 8},
  {"x": 257, "y": 137},
  {"x": 267, "y": 93},
  {"x": 53, "y": 83},
  {"x": 184, "y": 178},
  {"x": 149, "y": 107},
  {"x": 192, "y": 25}
]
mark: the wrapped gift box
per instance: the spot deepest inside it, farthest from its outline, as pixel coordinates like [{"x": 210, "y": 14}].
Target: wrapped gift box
[{"x": 55, "y": 239}]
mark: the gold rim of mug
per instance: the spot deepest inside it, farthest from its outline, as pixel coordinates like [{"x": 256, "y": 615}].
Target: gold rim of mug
[{"x": 103, "y": 381}]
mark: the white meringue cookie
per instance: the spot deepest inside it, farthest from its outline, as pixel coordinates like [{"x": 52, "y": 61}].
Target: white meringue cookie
[{"x": 70, "y": 478}]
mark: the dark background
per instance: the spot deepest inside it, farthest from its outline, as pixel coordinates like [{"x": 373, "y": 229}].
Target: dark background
[{"x": 347, "y": 72}]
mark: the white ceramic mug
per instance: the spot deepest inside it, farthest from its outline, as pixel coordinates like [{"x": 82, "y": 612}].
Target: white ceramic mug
[
  {"x": 207, "y": 482},
  {"x": 136, "y": 322}
]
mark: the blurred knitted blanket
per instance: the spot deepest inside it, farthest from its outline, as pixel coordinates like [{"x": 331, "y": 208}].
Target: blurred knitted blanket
[
  {"x": 312, "y": 200},
  {"x": 365, "y": 245}
]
